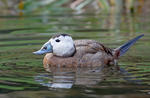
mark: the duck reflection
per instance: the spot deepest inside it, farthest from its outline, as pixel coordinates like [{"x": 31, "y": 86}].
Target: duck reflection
[{"x": 68, "y": 77}]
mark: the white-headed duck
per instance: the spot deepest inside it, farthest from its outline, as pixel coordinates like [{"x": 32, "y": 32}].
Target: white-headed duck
[{"x": 62, "y": 51}]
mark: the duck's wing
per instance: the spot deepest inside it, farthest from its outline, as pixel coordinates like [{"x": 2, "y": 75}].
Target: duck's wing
[{"x": 92, "y": 46}]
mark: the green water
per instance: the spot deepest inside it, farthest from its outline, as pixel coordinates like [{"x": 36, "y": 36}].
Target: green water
[{"x": 22, "y": 74}]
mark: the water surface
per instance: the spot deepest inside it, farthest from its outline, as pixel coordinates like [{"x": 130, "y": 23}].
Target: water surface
[{"x": 23, "y": 76}]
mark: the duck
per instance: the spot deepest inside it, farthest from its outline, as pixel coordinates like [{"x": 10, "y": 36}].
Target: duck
[{"x": 62, "y": 51}]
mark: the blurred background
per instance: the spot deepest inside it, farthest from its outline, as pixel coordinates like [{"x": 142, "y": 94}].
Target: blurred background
[
  {"x": 25, "y": 25},
  {"x": 113, "y": 10},
  {"x": 28, "y": 7}
]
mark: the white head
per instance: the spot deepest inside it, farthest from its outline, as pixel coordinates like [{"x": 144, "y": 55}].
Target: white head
[{"x": 60, "y": 45}]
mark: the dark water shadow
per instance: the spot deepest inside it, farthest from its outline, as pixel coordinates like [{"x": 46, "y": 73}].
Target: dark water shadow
[
  {"x": 93, "y": 30},
  {"x": 24, "y": 44},
  {"x": 129, "y": 77},
  {"x": 6, "y": 31}
]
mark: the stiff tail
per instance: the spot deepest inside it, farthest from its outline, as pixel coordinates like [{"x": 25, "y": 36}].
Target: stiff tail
[{"x": 124, "y": 48}]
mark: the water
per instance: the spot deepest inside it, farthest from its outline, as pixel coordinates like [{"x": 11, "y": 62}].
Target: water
[{"x": 22, "y": 74}]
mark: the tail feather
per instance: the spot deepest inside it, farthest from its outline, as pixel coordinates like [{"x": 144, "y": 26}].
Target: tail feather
[{"x": 124, "y": 48}]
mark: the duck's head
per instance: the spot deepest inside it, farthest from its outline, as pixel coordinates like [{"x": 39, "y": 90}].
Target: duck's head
[{"x": 60, "y": 45}]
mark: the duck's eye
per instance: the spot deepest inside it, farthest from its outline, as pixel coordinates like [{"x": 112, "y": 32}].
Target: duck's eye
[
  {"x": 57, "y": 40},
  {"x": 44, "y": 48}
]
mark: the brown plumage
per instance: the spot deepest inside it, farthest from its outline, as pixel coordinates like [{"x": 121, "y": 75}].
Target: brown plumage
[{"x": 89, "y": 53}]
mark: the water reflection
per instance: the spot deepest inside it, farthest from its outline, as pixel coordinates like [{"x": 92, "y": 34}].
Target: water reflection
[{"x": 68, "y": 77}]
